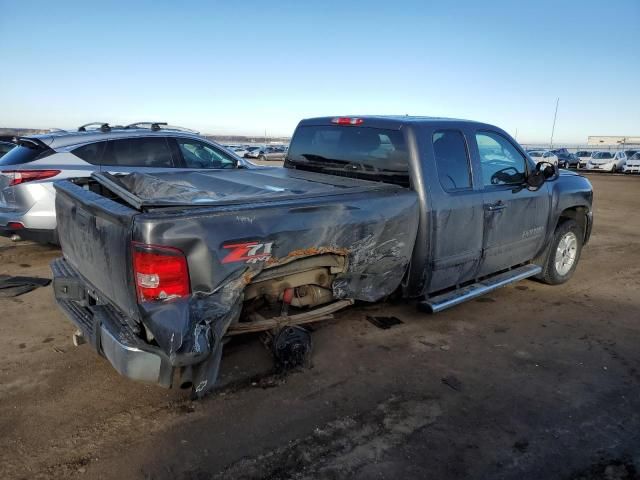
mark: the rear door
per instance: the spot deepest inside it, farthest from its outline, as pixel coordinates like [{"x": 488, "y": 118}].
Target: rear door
[
  {"x": 515, "y": 218},
  {"x": 457, "y": 216}
]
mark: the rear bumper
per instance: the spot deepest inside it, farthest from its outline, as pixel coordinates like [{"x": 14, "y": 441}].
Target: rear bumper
[
  {"x": 35, "y": 235},
  {"x": 110, "y": 333}
]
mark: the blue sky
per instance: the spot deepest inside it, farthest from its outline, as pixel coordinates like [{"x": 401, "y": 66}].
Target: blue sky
[{"x": 246, "y": 66}]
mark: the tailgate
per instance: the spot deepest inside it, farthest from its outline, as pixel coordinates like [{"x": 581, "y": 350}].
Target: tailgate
[{"x": 95, "y": 234}]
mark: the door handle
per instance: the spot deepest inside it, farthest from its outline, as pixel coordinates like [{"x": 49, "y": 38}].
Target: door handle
[{"x": 494, "y": 207}]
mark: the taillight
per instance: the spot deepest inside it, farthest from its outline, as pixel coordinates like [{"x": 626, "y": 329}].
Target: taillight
[
  {"x": 160, "y": 273},
  {"x": 22, "y": 176},
  {"x": 347, "y": 121}
]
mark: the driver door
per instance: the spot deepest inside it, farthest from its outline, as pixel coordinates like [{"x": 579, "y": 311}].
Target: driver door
[{"x": 515, "y": 218}]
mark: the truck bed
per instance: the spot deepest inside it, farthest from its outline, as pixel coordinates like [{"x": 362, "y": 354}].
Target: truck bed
[{"x": 221, "y": 188}]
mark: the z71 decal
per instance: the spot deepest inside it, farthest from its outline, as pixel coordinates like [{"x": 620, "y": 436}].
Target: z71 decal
[{"x": 249, "y": 252}]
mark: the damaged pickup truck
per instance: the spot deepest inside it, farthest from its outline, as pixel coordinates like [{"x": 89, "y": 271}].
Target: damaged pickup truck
[{"x": 159, "y": 270}]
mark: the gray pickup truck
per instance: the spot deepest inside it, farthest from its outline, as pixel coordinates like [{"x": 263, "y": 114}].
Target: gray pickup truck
[{"x": 159, "y": 270}]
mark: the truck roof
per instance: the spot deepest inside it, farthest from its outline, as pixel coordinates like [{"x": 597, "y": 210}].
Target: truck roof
[{"x": 394, "y": 122}]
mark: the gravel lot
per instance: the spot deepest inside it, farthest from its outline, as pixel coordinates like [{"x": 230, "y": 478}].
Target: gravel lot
[{"x": 530, "y": 382}]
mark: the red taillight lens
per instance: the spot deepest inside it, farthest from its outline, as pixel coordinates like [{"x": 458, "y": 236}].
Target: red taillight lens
[
  {"x": 160, "y": 273},
  {"x": 22, "y": 176},
  {"x": 347, "y": 121}
]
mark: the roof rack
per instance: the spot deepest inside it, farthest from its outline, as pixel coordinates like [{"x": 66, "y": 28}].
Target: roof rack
[
  {"x": 156, "y": 126},
  {"x": 104, "y": 127}
]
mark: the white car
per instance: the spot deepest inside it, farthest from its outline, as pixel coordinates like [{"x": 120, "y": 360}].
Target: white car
[
  {"x": 238, "y": 150},
  {"x": 543, "y": 156},
  {"x": 607, "y": 161},
  {"x": 254, "y": 151},
  {"x": 583, "y": 157},
  {"x": 633, "y": 164}
]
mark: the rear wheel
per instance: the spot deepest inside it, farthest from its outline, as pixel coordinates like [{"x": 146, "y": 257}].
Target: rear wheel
[
  {"x": 564, "y": 253},
  {"x": 262, "y": 158}
]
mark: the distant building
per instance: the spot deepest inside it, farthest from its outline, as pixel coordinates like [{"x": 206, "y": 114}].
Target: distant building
[{"x": 613, "y": 140}]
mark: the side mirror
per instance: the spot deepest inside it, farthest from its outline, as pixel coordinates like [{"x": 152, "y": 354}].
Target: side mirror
[
  {"x": 547, "y": 169},
  {"x": 543, "y": 172},
  {"x": 535, "y": 179}
]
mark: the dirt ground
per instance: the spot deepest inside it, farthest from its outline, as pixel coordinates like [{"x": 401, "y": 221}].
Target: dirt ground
[{"x": 530, "y": 382}]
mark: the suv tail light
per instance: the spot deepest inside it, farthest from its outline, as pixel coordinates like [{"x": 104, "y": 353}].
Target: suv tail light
[
  {"x": 22, "y": 176},
  {"x": 160, "y": 273}
]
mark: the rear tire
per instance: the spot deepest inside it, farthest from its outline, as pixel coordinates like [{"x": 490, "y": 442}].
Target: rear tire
[{"x": 564, "y": 253}]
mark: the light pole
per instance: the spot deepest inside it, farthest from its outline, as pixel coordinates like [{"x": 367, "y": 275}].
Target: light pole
[{"x": 555, "y": 115}]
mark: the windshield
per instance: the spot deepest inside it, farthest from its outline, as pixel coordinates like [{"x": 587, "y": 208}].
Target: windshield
[
  {"x": 535, "y": 154},
  {"x": 251, "y": 149},
  {"x": 636, "y": 156},
  {"x": 356, "y": 152},
  {"x": 583, "y": 153},
  {"x": 603, "y": 155}
]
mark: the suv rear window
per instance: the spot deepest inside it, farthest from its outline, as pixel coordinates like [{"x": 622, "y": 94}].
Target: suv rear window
[
  {"x": 21, "y": 154},
  {"x": 356, "y": 152}
]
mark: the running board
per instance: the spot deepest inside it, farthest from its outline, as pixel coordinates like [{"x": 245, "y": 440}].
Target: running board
[{"x": 447, "y": 300}]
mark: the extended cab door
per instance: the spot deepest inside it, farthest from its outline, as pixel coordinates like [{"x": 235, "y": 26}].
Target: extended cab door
[
  {"x": 457, "y": 217},
  {"x": 515, "y": 218}
]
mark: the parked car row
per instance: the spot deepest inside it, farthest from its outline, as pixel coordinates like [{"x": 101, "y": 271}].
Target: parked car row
[
  {"x": 28, "y": 170},
  {"x": 560, "y": 157},
  {"x": 260, "y": 152},
  {"x": 627, "y": 161}
]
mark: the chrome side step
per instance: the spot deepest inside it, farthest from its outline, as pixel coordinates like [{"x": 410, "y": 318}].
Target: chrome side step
[{"x": 447, "y": 300}]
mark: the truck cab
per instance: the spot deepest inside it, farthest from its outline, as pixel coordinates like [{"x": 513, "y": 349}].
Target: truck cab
[{"x": 479, "y": 213}]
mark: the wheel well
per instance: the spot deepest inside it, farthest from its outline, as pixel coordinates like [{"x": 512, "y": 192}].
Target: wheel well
[{"x": 579, "y": 214}]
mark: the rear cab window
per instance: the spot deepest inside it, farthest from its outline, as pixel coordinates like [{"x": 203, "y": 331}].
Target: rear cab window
[{"x": 351, "y": 151}]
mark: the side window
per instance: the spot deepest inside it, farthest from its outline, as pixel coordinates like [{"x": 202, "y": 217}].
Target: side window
[
  {"x": 91, "y": 153},
  {"x": 452, "y": 159},
  {"x": 139, "y": 152},
  {"x": 198, "y": 154},
  {"x": 502, "y": 163}
]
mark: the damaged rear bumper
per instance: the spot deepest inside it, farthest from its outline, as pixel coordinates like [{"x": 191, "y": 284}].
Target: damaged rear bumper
[{"x": 109, "y": 332}]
